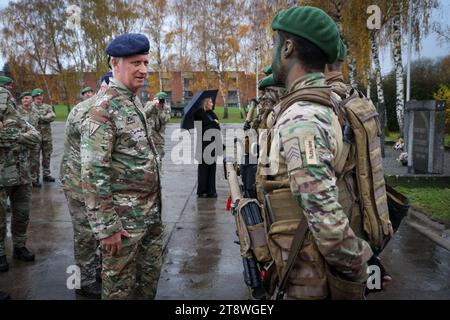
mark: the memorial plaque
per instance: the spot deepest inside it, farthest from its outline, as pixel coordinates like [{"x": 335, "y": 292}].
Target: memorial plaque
[
  {"x": 420, "y": 147},
  {"x": 424, "y": 132}
]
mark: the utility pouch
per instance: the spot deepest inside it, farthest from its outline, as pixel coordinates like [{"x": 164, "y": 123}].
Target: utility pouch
[{"x": 340, "y": 289}]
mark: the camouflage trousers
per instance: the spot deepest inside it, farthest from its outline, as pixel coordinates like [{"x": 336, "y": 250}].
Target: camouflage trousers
[
  {"x": 20, "y": 200},
  {"x": 34, "y": 163},
  {"x": 46, "y": 149},
  {"x": 85, "y": 244},
  {"x": 134, "y": 273}
]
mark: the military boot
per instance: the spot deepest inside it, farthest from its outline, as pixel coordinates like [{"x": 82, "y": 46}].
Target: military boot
[
  {"x": 49, "y": 179},
  {"x": 4, "y": 266},
  {"x": 37, "y": 184},
  {"x": 4, "y": 296},
  {"x": 91, "y": 291},
  {"x": 23, "y": 254}
]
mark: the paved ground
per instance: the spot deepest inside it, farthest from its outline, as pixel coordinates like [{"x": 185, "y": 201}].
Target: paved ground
[
  {"x": 393, "y": 167},
  {"x": 202, "y": 261}
]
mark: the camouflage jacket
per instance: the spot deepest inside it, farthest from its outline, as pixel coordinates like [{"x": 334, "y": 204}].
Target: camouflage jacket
[
  {"x": 29, "y": 116},
  {"x": 119, "y": 164},
  {"x": 45, "y": 115},
  {"x": 265, "y": 106},
  {"x": 306, "y": 139},
  {"x": 17, "y": 137},
  {"x": 157, "y": 120},
  {"x": 70, "y": 169}
]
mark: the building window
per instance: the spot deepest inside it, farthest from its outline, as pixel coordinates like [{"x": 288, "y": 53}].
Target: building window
[{"x": 232, "y": 98}]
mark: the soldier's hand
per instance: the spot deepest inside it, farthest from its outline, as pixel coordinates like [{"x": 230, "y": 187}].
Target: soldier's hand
[{"x": 113, "y": 244}]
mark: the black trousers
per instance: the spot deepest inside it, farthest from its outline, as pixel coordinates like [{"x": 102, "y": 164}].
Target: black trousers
[{"x": 206, "y": 179}]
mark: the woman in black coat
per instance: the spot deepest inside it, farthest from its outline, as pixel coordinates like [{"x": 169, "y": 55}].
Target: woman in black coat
[{"x": 210, "y": 148}]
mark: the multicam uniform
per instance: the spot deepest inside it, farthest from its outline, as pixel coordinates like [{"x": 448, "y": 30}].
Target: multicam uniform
[
  {"x": 16, "y": 138},
  {"x": 85, "y": 243},
  {"x": 306, "y": 140},
  {"x": 265, "y": 106},
  {"x": 46, "y": 117},
  {"x": 32, "y": 118},
  {"x": 121, "y": 187},
  {"x": 157, "y": 119}
]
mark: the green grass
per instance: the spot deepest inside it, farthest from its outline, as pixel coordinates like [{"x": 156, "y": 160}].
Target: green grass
[
  {"x": 61, "y": 112},
  {"x": 233, "y": 116},
  {"x": 394, "y": 136},
  {"x": 433, "y": 201}
]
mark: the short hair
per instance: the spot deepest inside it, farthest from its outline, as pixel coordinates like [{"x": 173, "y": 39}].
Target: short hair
[{"x": 310, "y": 55}]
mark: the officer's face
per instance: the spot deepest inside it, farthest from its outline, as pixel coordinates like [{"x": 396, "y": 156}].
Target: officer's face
[
  {"x": 39, "y": 99},
  {"x": 131, "y": 71},
  {"x": 26, "y": 101}
]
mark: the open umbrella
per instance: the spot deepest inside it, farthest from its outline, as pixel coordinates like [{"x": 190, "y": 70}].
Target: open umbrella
[{"x": 188, "y": 119}]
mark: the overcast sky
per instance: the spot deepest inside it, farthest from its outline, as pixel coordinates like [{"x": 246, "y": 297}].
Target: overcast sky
[{"x": 431, "y": 47}]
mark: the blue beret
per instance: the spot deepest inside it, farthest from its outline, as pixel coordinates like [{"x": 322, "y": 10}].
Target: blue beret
[
  {"x": 107, "y": 77},
  {"x": 127, "y": 45}
]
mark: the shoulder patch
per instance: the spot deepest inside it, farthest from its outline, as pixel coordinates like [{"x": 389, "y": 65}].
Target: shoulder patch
[
  {"x": 310, "y": 150},
  {"x": 293, "y": 153},
  {"x": 92, "y": 126}
]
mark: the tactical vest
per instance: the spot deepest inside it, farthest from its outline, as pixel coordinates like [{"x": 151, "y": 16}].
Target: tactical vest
[{"x": 362, "y": 194}]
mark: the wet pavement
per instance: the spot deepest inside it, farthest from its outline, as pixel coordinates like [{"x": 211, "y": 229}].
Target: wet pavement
[{"x": 201, "y": 261}]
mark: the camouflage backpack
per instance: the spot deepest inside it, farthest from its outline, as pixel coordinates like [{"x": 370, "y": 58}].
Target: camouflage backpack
[{"x": 362, "y": 189}]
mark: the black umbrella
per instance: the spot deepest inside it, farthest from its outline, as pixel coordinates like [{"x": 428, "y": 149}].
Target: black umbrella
[{"x": 188, "y": 119}]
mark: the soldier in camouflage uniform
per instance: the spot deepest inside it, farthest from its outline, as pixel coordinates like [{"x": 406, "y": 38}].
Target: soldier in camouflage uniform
[
  {"x": 16, "y": 138},
  {"x": 158, "y": 115},
  {"x": 46, "y": 117},
  {"x": 272, "y": 95},
  {"x": 306, "y": 139},
  {"x": 85, "y": 243},
  {"x": 120, "y": 177},
  {"x": 25, "y": 110},
  {"x": 7, "y": 83}
]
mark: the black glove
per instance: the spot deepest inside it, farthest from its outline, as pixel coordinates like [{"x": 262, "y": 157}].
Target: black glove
[{"x": 383, "y": 273}]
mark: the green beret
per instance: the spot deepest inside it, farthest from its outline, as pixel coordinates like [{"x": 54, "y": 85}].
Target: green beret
[
  {"x": 342, "y": 52},
  {"x": 37, "y": 92},
  {"x": 24, "y": 94},
  {"x": 267, "y": 70},
  {"x": 87, "y": 89},
  {"x": 312, "y": 24},
  {"x": 5, "y": 80},
  {"x": 161, "y": 95},
  {"x": 266, "y": 82}
]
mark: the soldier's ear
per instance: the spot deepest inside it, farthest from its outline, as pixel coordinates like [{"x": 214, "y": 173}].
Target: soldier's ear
[{"x": 288, "y": 48}]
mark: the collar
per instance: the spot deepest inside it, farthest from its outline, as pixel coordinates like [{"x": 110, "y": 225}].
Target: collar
[
  {"x": 122, "y": 89},
  {"x": 307, "y": 80}
]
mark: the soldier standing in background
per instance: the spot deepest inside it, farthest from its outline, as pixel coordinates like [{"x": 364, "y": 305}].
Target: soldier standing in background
[
  {"x": 120, "y": 177},
  {"x": 7, "y": 83},
  {"x": 46, "y": 117},
  {"x": 158, "y": 115},
  {"x": 86, "y": 93},
  {"x": 16, "y": 138},
  {"x": 85, "y": 244},
  {"x": 25, "y": 110}
]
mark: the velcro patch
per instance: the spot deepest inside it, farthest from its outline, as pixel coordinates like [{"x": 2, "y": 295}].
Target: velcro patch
[
  {"x": 130, "y": 120},
  {"x": 293, "y": 154},
  {"x": 93, "y": 126},
  {"x": 310, "y": 151}
]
